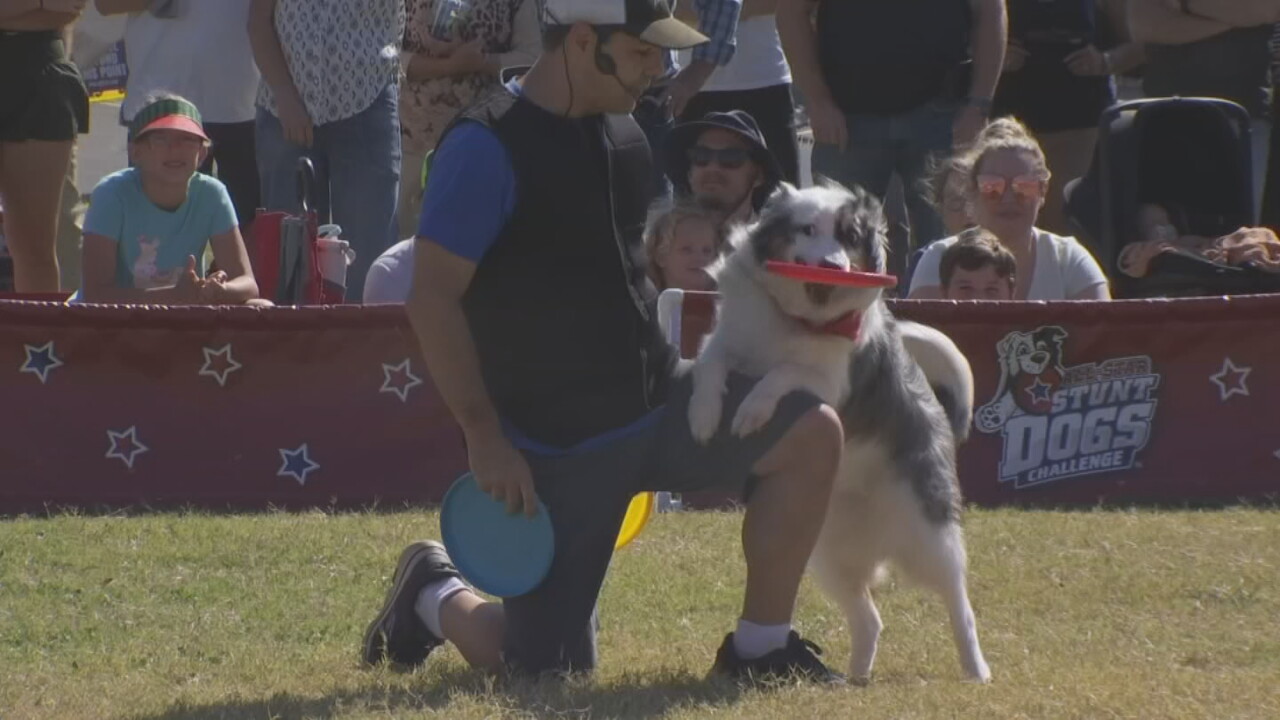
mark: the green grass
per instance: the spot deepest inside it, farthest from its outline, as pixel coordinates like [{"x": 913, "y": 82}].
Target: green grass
[{"x": 1143, "y": 614}]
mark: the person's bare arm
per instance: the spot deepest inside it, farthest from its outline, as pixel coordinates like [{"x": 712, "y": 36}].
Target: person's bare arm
[
  {"x": 1128, "y": 54},
  {"x": 440, "y": 279},
  {"x": 1151, "y": 21},
  {"x": 116, "y": 7},
  {"x": 271, "y": 62},
  {"x": 232, "y": 258},
  {"x": 990, "y": 33},
  {"x": 987, "y": 47},
  {"x": 1236, "y": 13},
  {"x": 14, "y": 8},
  {"x": 1101, "y": 291},
  {"x": 800, "y": 45}
]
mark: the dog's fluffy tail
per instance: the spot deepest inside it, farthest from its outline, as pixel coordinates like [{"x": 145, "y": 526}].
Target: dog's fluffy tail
[{"x": 947, "y": 371}]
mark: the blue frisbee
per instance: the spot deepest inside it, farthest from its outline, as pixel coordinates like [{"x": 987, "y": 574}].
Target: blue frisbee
[{"x": 501, "y": 554}]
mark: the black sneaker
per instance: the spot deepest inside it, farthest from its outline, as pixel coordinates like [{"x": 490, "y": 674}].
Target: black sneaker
[
  {"x": 397, "y": 634},
  {"x": 798, "y": 660}
]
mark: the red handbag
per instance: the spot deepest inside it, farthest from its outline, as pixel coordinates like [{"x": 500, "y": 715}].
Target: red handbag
[{"x": 283, "y": 250}]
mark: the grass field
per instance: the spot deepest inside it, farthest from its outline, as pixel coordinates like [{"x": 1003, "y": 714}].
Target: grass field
[{"x": 1141, "y": 614}]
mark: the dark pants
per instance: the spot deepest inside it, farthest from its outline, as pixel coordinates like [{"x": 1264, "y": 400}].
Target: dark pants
[
  {"x": 552, "y": 629},
  {"x": 906, "y": 144},
  {"x": 234, "y": 154},
  {"x": 773, "y": 109}
]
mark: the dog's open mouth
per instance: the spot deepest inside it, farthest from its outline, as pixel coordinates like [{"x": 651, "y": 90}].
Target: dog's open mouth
[{"x": 818, "y": 293}]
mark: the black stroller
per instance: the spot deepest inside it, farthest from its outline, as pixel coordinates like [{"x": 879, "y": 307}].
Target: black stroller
[{"x": 1192, "y": 154}]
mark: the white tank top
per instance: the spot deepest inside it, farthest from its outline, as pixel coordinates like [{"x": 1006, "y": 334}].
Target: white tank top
[{"x": 757, "y": 62}]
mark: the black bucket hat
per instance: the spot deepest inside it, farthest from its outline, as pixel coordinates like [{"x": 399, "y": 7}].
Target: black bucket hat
[{"x": 675, "y": 150}]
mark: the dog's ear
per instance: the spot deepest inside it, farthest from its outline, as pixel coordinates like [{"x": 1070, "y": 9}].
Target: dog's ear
[
  {"x": 771, "y": 234},
  {"x": 860, "y": 226},
  {"x": 782, "y": 193}
]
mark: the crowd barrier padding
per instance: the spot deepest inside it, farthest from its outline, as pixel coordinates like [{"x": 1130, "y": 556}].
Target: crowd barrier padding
[{"x": 1168, "y": 401}]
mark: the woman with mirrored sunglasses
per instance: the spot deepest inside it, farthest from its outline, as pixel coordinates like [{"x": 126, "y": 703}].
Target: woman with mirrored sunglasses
[{"x": 1006, "y": 187}]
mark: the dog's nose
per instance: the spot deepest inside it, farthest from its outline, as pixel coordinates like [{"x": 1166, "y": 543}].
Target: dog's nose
[{"x": 830, "y": 264}]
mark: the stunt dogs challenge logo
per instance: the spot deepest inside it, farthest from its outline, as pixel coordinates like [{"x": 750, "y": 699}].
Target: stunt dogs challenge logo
[{"x": 1060, "y": 422}]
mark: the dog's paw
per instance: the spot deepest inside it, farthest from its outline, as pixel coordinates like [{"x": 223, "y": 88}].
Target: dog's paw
[
  {"x": 753, "y": 413},
  {"x": 704, "y": 416}
]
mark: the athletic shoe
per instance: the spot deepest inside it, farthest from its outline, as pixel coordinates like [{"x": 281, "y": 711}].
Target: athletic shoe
[
  {"x": 798, "y": 660},
  {"x": 397, "y": 634}
]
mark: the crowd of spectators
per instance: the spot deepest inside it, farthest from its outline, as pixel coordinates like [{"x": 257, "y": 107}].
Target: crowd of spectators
[{"x": 890, "y": 90}]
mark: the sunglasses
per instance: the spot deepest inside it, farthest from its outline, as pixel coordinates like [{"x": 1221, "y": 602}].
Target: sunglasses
[
  {"x": 727, "y": 158},
  {"x": 1027, "y": 188}
]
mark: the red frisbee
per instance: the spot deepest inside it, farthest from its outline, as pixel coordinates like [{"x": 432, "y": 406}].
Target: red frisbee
[{"x": 829, "y": 276}]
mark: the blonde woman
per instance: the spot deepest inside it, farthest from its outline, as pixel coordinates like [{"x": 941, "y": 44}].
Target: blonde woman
[{"x": 1007, "y": 180}]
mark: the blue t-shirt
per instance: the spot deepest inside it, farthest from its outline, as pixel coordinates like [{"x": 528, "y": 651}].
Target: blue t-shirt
[
  {"x": 470, "y": 195},
  {"x": 152, "y": 244}
]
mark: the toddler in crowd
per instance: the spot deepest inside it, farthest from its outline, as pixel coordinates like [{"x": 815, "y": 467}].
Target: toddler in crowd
[
  {"x": 682, "y": 241},
  {"x": 147, "y": 226},
  {"x": 977, "y": 267}
]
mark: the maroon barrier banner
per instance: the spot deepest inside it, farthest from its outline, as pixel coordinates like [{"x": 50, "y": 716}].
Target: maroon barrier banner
[
  {"x": 218, "y": 407},
  {"x": 1076, "y": 403},
  {"x": 1104, "y": 402}
]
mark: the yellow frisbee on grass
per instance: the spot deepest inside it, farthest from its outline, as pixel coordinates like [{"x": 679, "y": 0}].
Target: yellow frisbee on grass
[{"x": 638, "y": 513}]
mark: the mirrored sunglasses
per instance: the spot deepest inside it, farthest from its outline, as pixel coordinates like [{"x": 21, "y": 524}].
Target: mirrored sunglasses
[{"x": 1027, "y": 188}]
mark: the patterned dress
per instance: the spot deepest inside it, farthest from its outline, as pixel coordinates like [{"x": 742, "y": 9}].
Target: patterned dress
[
  {"x": 341, "y": 54},
  {"x": 510, "y": 30}
]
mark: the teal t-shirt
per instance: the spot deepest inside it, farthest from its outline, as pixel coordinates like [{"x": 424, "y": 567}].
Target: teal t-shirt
[{"x": 152, "y": 244}]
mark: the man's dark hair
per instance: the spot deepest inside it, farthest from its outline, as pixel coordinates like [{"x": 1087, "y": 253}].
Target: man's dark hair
[{"x": 974, "y": 249}]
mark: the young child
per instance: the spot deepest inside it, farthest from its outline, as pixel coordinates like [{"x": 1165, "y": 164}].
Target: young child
[
  {"x": 946, "y": 186},
  {"x": 147, "y": 226},
  {"x": 682, "y": 241},
  {"x": 977, "y": 267}
]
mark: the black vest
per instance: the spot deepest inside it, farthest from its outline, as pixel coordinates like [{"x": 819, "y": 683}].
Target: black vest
[
  {"x": 889, "y": 56},
  {"x": 560, "y": 307}
]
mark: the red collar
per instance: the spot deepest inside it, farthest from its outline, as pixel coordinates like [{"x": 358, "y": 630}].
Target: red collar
[{"x": 845, "y": 326}]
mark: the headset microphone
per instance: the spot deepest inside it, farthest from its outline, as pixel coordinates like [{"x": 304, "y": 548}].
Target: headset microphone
[{"x": 608, "y": 66}]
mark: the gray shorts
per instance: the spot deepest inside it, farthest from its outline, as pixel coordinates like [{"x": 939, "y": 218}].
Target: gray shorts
[{"x": 553, "y": 628}]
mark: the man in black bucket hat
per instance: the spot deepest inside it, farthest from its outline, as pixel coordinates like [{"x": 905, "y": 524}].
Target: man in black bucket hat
[{"x": 723, "y": 162}]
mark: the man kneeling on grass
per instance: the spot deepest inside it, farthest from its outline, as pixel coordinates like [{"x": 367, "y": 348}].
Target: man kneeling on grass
[
  {"x": 147, "y": 226},
  {"x": 537, "y": 321}
]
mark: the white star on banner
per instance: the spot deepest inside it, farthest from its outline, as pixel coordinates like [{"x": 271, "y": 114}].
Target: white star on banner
[
  {"x": 125, "y": 446},
  {"x": 297, "y": 464},
  {"x": 1237, "y": 374},
  {"x": 40, "y": 360},
  {"x": 399, "y": 379},
  {"x": 218, "y": 364}
]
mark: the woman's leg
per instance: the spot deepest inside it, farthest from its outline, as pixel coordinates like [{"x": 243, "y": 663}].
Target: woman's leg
[{"x": 31, "y": 176}]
